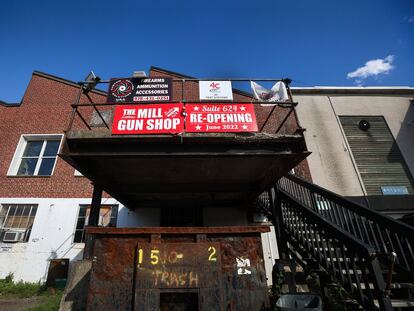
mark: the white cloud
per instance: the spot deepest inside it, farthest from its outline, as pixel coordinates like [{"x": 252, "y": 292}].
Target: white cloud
[
  {"x": 372, "y": 67},
  {"x": 409, "y": 19}
]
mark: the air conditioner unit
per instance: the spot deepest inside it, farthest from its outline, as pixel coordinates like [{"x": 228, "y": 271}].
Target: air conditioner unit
[{"x": 14, "y": 236}]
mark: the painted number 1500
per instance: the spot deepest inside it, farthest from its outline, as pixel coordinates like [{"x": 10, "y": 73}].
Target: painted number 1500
[{"x": 172, "y": 257}]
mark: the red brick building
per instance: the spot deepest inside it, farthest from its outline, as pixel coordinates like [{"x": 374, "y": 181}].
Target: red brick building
[{"x": 45, "y": 201}]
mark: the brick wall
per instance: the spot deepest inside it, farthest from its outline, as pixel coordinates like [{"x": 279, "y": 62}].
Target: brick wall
[{"x": 45, "y": 109}]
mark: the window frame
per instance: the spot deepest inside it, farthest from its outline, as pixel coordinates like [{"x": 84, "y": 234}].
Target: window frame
[
  {"x": 28, "y": 229},
  {"x": 86, "y": 206},
  {"x": 21, "y": 147}
]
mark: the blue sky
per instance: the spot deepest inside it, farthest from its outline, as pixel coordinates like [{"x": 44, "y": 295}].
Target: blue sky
[{"x": 322, "y": 42}]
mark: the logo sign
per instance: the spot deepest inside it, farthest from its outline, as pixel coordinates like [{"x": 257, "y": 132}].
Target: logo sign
[
  {"x": 140, "y": 90},
  {"x": 215, "y": 90},
  {"x": 394, "y": 190},
  {"x": 220, "y": 118},
  {"x": 148, "y": 119}
]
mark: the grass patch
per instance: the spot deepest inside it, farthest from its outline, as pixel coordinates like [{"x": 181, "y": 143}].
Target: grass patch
[
  {"x": 10, "y": 289},
  {"x": 50, "y": 302},
  {"x": 50, "y": 297}
]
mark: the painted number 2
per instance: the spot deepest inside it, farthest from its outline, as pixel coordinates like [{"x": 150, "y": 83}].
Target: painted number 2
[{"x": 212, "y": 251}]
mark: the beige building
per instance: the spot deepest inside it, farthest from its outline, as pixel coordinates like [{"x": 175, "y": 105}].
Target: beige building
[{"x": 362, "y": 143}]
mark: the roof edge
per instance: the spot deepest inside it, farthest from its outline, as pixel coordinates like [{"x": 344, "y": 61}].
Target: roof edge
[
  {"x": 353, "y": 90},
  {"x": 65, "y": 81},
  {"x": 6, "y": 104}
]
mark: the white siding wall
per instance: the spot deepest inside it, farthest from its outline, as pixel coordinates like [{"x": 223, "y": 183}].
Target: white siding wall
[{"x": 51, "y": 237}]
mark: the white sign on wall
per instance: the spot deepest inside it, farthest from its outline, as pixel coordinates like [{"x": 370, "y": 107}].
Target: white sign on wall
[{"x": 215, "y": 90}]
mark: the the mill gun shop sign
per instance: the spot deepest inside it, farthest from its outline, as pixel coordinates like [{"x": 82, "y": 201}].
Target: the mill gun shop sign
[
  {"x": 148, "y": 119},
  {"x": 170, "y": 118},
  {"x": 130, "y": 90},
  {"x": 220, "y": 118}
]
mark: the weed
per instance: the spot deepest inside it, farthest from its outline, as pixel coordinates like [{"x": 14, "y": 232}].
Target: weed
[
  {"x": 10, "y": 289},
  {"x": 49, "y": 303}
]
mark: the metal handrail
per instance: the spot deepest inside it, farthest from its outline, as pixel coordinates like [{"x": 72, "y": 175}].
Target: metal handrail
[
  {"x": 77, "y": 113},
  {"x": 285, "y": 80},
  {"x": 286, "y": 104},
  {"x": 289, "y": 103}
]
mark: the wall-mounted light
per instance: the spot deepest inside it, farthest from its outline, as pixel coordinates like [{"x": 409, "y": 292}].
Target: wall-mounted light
[
  {"x": 91, "y": 81},
  {"x": 364, "y": 125}
]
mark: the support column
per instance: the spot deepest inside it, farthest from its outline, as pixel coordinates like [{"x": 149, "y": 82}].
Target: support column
[{"x": 95, "y": 206}]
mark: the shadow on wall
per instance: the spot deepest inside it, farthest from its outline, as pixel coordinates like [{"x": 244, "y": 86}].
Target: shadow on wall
[
  {"x": 74, "y": 297},
  {"x": 61, "y": 252},
  {"x": 139, "y": 217},
  {"x": 405, "y": 142},
  {"x": 405, "y": 137}
]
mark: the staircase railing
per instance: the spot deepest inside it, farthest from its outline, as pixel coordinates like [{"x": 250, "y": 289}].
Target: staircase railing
[
  {"x": 384, "y": 234},
  {"x": 348, "y": 240},
  {"x": 353, "y": 263}
]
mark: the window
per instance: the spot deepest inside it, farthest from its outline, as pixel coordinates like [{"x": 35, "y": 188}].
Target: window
[
  {"x": 35, "y": 155},
  {"x": 77, "y": 173},
  {"x": 16, "y": 221},
  {"x": 108, "y": 215}
]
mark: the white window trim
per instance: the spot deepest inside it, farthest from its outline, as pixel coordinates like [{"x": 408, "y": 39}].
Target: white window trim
[
  {"x": 87, "y": 218},
  {"x": 21, "y": 146}
]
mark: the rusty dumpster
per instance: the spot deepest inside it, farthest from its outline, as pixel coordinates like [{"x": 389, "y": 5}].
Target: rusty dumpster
[{"x": 170, "y": 268}]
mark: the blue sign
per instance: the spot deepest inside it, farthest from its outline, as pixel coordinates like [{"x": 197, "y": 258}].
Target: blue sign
[{"x": 394, "y": 190}]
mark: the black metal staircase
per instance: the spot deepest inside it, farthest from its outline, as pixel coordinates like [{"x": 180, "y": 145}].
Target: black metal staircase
[{"x": 369, "y": 254}]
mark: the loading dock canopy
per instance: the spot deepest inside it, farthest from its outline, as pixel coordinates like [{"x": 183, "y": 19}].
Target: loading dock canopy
[{"x": 212, "y": 169}]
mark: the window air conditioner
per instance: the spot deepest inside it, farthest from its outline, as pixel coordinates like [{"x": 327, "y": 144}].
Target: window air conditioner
[{"x": 13, "y": 236}]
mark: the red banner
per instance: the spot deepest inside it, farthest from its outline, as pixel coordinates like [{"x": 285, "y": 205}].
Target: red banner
[
  {"x": 148, "y": 119},
  {"x": 203, "y": 118}
]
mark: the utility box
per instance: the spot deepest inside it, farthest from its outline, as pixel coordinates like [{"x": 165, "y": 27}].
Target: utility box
[{"x": 212, "y": 268}]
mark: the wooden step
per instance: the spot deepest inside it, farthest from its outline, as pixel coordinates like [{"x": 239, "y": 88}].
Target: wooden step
[
  {"x": 399, "y": 303},
  {"x": 393, "y": 285}
]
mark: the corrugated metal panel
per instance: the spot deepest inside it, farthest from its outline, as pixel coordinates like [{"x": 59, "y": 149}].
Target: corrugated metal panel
[{"x": 376, "y": 154}]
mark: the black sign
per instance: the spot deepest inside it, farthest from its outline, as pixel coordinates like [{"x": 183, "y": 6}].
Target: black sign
[{"x": 130, "y": 90}]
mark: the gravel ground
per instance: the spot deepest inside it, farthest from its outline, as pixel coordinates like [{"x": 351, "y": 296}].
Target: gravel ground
[{"x": 19, "y": 304}]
